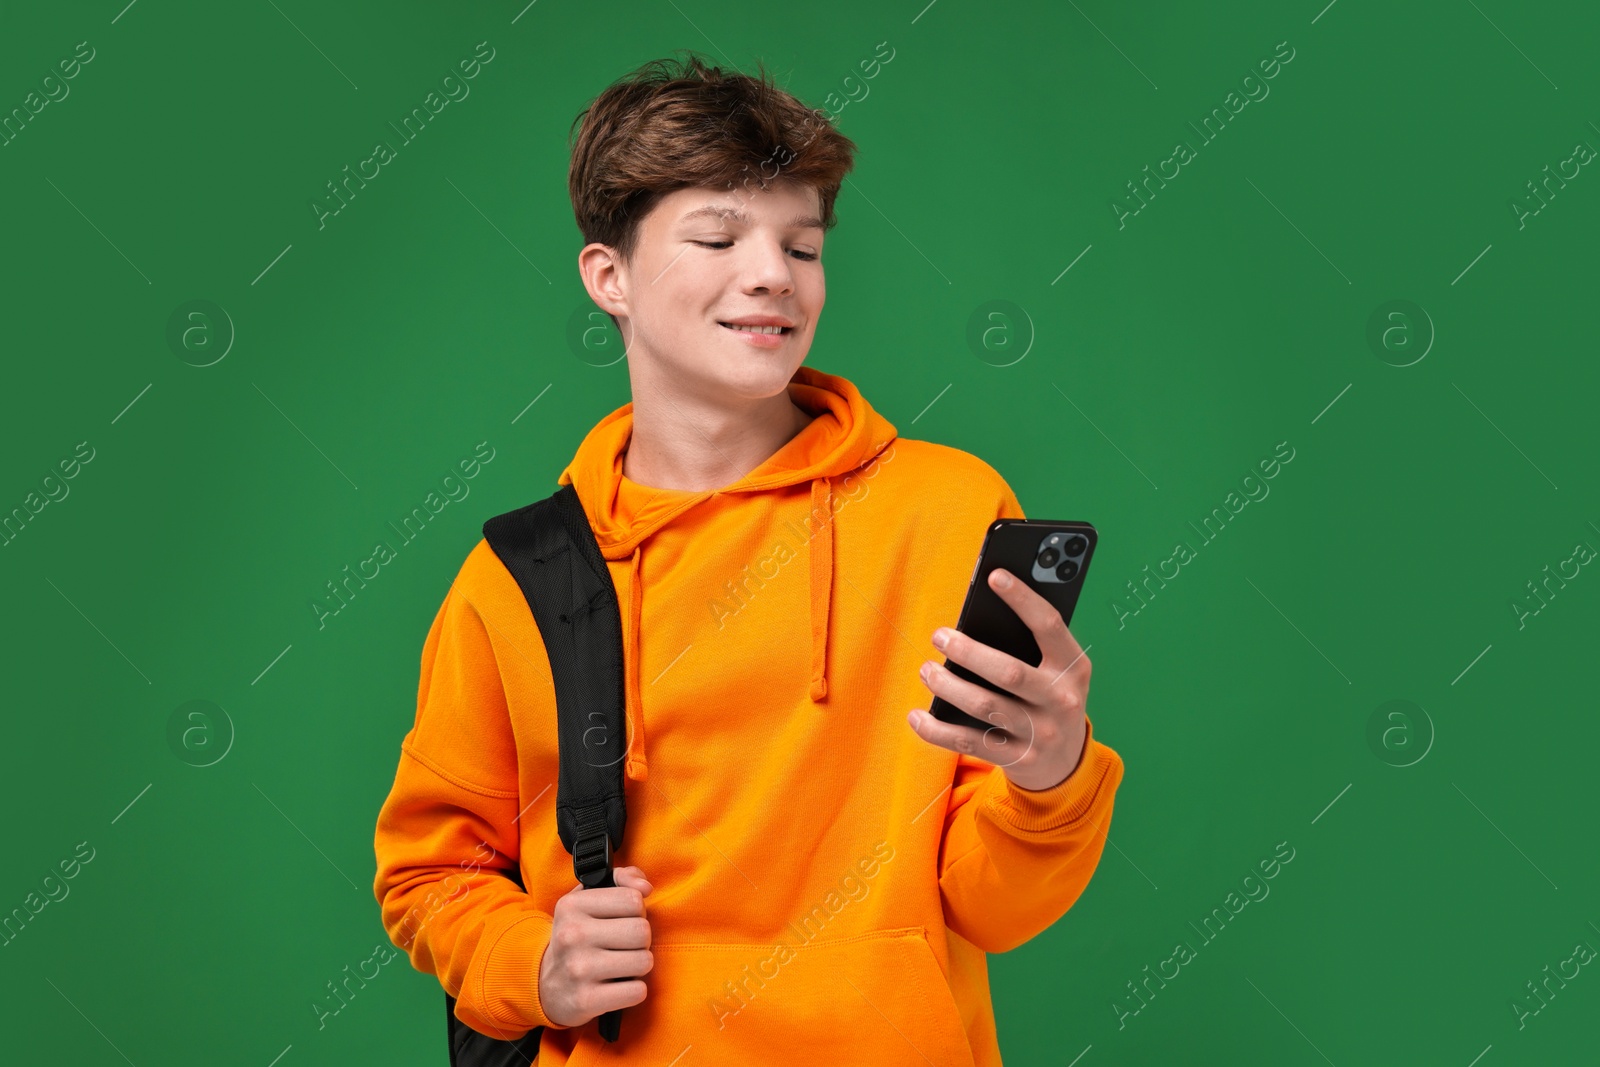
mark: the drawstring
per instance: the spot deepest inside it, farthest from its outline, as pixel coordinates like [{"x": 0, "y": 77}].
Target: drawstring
[
  {"x": 637, "y": 766},
  {"x": 821, "y": 554},
  {"x": 821, "y": 577}
]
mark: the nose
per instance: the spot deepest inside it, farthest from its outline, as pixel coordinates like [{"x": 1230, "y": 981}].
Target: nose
[{"x": 767, "y": 268}]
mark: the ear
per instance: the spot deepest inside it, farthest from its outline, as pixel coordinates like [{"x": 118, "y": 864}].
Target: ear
[{"x": 601, "y": 269}]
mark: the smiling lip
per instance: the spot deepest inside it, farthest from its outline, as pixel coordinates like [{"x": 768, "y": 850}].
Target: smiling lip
[
  {"x": 759, "y": 338},
  {"x": 759, "y": 320}
]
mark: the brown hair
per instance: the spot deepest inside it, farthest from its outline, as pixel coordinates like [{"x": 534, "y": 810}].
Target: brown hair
[{"x": 664, "y": 127}]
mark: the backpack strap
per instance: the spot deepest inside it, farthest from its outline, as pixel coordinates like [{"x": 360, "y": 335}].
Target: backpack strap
[{"x": 551, "y": 551}]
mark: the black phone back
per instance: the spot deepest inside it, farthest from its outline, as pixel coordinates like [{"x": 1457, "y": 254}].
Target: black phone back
[{"x": 1053, "y": 558}]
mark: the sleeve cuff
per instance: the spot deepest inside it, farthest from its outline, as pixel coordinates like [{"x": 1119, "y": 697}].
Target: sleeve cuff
[
  {"x": 508, "y": 986},
  {"x": 1033, "y": 811}
]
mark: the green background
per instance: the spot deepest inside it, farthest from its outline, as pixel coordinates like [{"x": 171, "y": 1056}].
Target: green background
[{"x": 1229, "y": 315}]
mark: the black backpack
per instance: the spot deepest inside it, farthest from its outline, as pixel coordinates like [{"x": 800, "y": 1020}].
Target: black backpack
[{"x": 551, "y": 551}]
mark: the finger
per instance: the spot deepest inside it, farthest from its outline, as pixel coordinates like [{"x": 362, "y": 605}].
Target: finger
[
  {"x": 609, "y": 996},
  {"x": 1059, "y": 648},
  {"x": 994, "y": 745},
  {"x": 999, "y": 711},
  {"x": 627, "y": 878},
  {"x": 628, "y": 933},
  {"x": 612, "y": 902},
  {"x": 1008, "y": 672},
  {"x": 607, "y": 966}
]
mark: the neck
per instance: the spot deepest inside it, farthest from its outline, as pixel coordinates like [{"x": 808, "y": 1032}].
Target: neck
[{"x": 694, "y": 443}]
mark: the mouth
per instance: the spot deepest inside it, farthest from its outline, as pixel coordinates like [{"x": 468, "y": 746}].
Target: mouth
[{"x": 774, "y": 330}]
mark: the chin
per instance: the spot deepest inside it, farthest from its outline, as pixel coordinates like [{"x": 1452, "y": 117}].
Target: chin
[
  {"x": 755, "y": 380},
  {"x": 756, "y": 375}
]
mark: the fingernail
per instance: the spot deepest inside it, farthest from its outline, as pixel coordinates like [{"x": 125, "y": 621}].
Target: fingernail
[
  {"x": 926, "y": 670},
  {"x": 915, "y": 719},
  {"x": 941, "y": 637},
  {"x": 1002, "y": 579}
]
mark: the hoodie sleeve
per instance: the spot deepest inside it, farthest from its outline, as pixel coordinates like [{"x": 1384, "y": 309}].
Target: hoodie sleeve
[
  {"x": 1013, "y": 860},
  {"x": 447, "y": 829}
]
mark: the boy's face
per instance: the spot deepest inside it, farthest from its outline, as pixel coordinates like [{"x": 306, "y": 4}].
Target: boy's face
[{"x": 706, "y": 258}]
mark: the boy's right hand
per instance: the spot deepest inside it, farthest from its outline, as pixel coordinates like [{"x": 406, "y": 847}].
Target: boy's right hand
[{"x": 598, "y": 935}]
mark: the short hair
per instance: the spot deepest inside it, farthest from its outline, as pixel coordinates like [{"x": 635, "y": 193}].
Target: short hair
[{"x": 668, "y": 126}]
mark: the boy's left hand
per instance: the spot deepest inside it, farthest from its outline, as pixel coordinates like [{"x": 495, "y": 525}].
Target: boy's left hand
[{"x": 1038, "y": 734}]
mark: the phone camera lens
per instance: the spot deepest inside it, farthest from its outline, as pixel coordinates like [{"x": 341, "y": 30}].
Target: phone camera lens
[
  {"x": 1068, "y": 570},
  {"x": 1048, "y": 558},
  {"x": 1075, "y": 545}
]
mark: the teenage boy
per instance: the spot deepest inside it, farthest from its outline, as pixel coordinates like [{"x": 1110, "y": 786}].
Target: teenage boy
[{"x": 826, "y": 874}]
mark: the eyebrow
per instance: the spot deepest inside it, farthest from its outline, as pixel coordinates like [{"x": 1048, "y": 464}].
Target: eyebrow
[{"x": 731, "y": 214}]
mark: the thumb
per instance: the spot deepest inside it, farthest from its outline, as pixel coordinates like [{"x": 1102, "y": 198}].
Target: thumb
[{"x": 632, "y": 878}]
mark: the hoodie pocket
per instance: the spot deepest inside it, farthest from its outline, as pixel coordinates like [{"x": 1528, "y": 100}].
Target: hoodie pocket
[{"x": 878, "y": 998}]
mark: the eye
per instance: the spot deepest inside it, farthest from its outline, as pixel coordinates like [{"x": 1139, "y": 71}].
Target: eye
[{"x": 806, "y": 257}]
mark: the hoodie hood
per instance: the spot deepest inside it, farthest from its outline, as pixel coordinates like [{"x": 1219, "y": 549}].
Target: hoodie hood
[{"x": 845, "y": 432}]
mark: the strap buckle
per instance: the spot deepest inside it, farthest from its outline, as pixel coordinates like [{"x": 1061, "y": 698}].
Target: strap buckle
[{"x": 591, "y": 861}]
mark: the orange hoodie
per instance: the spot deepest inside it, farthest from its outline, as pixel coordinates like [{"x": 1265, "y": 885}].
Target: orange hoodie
[{"x": 826, "y": 883}]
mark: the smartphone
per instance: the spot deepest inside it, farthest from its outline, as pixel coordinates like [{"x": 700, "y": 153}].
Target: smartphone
[{"x": 1053, "y": 558}]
